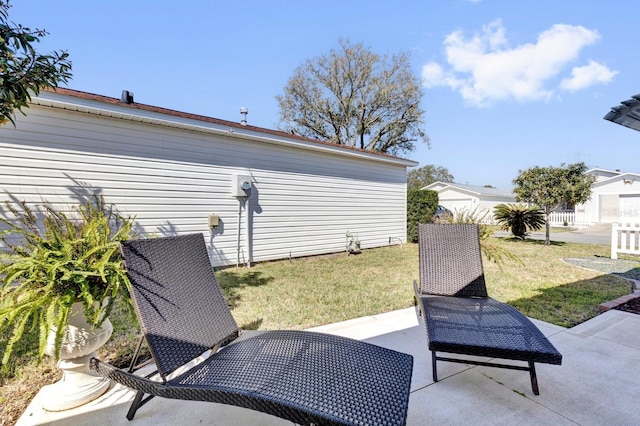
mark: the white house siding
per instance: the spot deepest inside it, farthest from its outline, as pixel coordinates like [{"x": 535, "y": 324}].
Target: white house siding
[
  {"x": 487, "y": 205},
  {"x": 304, "y": 197},
  {"x": 456, "y": 201},
  {"x": 616, "y": 199}
]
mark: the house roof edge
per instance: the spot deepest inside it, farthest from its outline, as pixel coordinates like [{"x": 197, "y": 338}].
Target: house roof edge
[{"x": 103, "y": 105}]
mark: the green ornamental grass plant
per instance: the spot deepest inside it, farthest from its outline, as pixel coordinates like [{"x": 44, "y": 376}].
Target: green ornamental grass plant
[{"x": 54, "y": 259}]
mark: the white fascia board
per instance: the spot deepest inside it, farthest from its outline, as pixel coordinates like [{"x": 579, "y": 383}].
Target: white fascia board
[
  {"x": 55, "y": 100},
  {"x": 621, "y": 176}
]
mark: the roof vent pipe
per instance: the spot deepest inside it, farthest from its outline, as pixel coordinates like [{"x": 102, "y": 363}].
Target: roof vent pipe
[
  {"x": 127, "y": 97},
  {"x": 244, "y": 112}
]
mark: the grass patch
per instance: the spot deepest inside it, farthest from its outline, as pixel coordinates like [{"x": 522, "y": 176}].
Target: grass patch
[
  {"x": 549, "y": 289},
  {"x": 307, "y": 292}
]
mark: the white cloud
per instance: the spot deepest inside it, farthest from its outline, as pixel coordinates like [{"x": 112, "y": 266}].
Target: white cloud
[
  {"x": 485, "y": 69},
  {"x": 433, "y": 75},
  {"x": 586, "y": 76}
]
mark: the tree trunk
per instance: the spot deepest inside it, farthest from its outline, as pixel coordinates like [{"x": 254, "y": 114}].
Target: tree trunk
[{"x": 547, "y": 227}]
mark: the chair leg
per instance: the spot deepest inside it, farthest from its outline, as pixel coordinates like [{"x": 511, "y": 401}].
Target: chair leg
[
  {"x": 434, "y": 369},
  {"x": 534, "y": 378},
  {"x": 137, "y": 403}
]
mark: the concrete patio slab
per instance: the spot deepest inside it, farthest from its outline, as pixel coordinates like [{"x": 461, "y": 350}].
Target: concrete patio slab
[{"x": 594, "y": 385}]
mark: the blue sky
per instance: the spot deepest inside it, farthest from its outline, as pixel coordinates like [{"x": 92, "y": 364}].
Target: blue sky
[{"x": 508, "y": 84}]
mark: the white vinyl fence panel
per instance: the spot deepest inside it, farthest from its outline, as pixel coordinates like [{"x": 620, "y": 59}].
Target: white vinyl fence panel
[
  {"x": 567, "y": 218},
  {"x": 625, "y": 239}
]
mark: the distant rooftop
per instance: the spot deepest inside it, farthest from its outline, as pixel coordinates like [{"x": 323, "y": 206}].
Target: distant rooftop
[
  {"x": 627, "y": 113},
  {"x": 476, "y": 189}
]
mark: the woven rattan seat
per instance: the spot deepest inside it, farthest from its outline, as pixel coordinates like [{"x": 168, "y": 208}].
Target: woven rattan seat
[
  {"x": 460, "y": 317},
  {"x": 304, "y": 377}
]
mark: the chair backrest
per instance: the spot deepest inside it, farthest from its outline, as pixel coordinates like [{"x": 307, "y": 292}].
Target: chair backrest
[
  {"x": 180, "y": 306},
  {"x": 451, "y": 260}
]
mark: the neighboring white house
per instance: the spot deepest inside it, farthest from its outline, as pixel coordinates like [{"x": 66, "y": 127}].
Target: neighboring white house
[
  {"x": 470, "y": 198},
  {"x": 615, "y": 197},
  {"x": 172, "y": 170}
]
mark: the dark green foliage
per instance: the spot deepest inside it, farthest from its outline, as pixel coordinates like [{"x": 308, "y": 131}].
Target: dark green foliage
[
  {"x": 519, "y": 218},
  {"x": 421, "y": 205},
  {"x": 23, "y": 70},
  {"x": 55, "y": 259}
]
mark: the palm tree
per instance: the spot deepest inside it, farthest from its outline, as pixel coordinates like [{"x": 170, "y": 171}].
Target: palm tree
[{"x": 518, "y": 218}]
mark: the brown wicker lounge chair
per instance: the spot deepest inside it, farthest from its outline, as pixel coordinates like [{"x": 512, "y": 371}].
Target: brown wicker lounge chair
[
  {"x": 304, "y": 377},
  {"x": 460, "y": 317}
]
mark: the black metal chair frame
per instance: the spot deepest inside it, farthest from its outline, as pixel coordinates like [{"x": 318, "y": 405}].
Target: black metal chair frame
[
  {"x": 304, "y": 377},
  {"x": 460, "y": 317}
]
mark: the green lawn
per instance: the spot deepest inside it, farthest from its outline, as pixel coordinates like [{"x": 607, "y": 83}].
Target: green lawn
[{"x": 313, "y": 291}]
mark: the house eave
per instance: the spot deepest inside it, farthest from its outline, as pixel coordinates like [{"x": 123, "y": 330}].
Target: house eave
[{"x": 626, "y": 114}]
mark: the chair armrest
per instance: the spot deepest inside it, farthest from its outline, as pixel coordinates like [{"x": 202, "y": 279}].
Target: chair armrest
[{"x": 130, "y": 380}]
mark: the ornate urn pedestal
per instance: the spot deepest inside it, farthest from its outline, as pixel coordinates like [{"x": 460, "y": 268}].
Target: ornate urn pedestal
[{"x": 78, "y": 384}]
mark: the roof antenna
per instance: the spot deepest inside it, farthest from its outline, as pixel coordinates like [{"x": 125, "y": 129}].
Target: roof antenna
[{"x": 244, "y": 113}]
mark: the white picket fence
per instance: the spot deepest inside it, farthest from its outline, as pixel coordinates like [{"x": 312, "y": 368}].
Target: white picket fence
[
  {"x": 625, "y": 239},
  {"x": 560, "y": 218},
  {"x": 566, "y": 219}
]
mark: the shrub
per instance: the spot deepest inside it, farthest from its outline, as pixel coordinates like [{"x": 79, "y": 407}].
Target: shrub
[{"x": 421, "y": 205}]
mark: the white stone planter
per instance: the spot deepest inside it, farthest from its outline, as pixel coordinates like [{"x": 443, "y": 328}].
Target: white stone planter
[{"x": 78, "y": 384}]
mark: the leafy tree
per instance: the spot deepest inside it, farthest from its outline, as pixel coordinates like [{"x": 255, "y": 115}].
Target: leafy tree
[
  {"x": 425, "y": 175},
  {"x": 22, "y": 69},
  {"x": 519, "y": 219},
  {"x": 550, "y": 187},
  {"x": 355, "y": 97}
]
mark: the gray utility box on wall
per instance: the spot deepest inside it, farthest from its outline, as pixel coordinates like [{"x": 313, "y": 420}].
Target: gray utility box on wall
[{"x": 241, "y": 186}]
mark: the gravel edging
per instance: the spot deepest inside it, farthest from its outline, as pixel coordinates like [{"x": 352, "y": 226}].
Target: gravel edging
[{"x": 628, "y": 269}]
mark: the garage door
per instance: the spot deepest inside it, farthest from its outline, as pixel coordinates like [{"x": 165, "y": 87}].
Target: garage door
[
  {"x": 630, "y": 207},
  {"x": 609, "y": 208}
]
